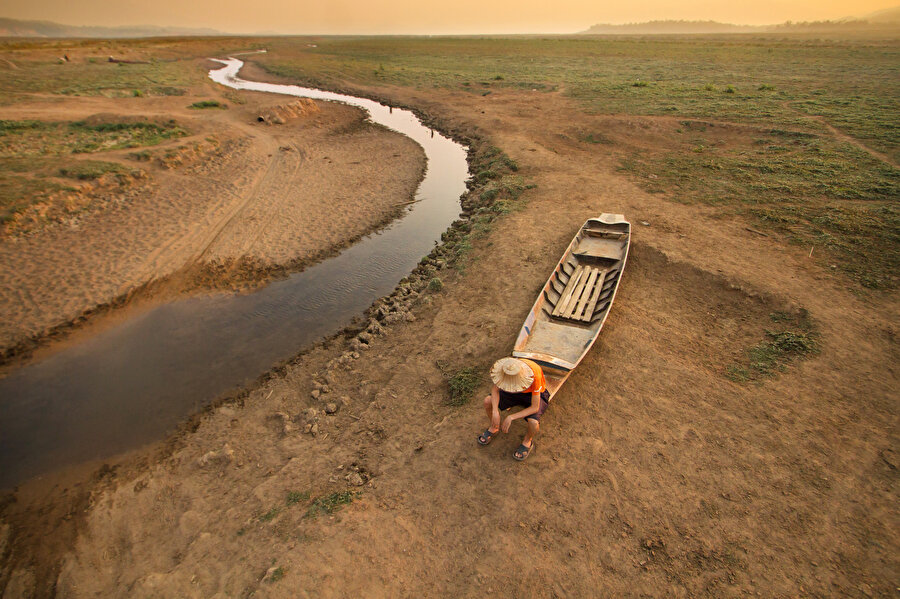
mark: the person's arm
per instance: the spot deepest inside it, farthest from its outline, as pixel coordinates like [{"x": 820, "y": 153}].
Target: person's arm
[{"x": 524, "y": 412}]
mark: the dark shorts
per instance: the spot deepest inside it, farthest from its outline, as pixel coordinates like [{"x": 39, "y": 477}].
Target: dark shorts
[{"x": 509, "y": 400}]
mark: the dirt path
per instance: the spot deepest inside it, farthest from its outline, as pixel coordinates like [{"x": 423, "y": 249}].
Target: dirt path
[
  {"x": 654, "y": 474},
  {"x": 844, "y": 137},
  {"x": 265, "y": 196},
  {"x": 852, "y": 140}
]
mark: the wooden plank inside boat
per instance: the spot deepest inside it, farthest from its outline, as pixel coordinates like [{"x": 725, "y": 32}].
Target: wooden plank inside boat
[
  {"x": 563, "y": 302},
  {"x": 605, "y": 233},
  {"x": 580, "y": 289},
  {"x": 586, "y": 295},
  {"x": 597, "y": 247},
  {"x": 598, "y": 289}
]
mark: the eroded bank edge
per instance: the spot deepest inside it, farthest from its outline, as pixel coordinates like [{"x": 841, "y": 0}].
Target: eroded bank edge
[{"x": 243, "y": 274}]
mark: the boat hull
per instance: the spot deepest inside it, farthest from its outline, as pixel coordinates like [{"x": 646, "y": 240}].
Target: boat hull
[{"x": 572, "y": 307}]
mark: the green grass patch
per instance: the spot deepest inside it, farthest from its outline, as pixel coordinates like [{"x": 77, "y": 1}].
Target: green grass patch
[
  {"x": 594, "y": 138},
  {"x": 275, "y": 575},
  {"x": 270, "y": 515},
  {"x": 295, "y": 497},
  {"x": 793, "y": 338},
  {"x": 202, "y": 104},
  {"x": 89, "y": 170},
  {"x": 142, "y": 156},
  {"x": 40, "y": 138},
  {"x": 462, "y": 385},
  {"x": 328, "y": 504}
]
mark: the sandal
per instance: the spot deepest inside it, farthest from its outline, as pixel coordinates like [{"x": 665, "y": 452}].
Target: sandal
[
  {"x": 523, "y": 452},
  {"x": 487, "y": 436}
]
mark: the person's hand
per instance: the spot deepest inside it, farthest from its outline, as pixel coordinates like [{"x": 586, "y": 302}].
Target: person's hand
[{"x": 507, "y": 422}]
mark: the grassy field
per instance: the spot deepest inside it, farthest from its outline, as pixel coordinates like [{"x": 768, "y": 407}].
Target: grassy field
[
  {"x": 772, "y": 82},
  {"x": 814, "y": 159},
  {"x": 41, "y": 138},
  {"x": 39, "y": 158},
  {"x": 811, "y": 154},
  {"x": 156, "y": 67}
]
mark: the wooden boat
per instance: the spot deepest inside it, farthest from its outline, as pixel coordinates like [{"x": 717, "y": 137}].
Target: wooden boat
[{"x": 571, "y": 309}]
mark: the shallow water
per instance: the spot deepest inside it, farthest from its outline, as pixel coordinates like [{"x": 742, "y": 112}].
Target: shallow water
[{"x": 132, "y": 384}]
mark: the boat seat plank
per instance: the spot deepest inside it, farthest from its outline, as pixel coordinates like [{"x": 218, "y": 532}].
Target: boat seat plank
[
  {"x": 585, "y": 297},
  {"x": 592, "y": 304},
  {"x": 605, "y": 233},
  {"x": 576, "y": 310},
  {"x": 563, "y": 302},
  {"x": 577, "y": 293},
  {"x": 595, "y": 247}
]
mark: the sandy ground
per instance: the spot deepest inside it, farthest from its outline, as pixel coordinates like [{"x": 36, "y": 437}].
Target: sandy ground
[
  {"x": 654, "y": 475},
  {"x": 264, "y": 197}
]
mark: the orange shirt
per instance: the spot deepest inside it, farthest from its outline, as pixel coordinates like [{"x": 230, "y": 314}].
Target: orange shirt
[{"x": 538, "y": 385}]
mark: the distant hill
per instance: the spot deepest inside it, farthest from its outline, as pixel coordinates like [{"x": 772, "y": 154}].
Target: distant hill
[
  {"x": 655, "y": 27},
  {"x": 883, "y": 20},
  {"x": 888, "y": 15},
  {"x": 17, "y": 28}
]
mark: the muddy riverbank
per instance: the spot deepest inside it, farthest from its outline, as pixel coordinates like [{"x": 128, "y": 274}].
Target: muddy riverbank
[
  {"x": 132, "y": 383},
  {"x": 201, "y": 223}
]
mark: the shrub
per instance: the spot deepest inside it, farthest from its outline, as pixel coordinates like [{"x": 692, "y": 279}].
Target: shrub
[
  {"x": 489, "y": 195},
  {"x": 462, "y": 385}
]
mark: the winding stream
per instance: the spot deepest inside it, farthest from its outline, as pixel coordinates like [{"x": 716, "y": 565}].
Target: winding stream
[{"x": 132, "y": 384}]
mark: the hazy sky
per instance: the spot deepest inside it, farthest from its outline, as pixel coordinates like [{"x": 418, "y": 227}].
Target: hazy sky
[{"x": 422, "y": 16}]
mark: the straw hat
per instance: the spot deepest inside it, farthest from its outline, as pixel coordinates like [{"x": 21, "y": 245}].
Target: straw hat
[{"x": 512, "y": 375}]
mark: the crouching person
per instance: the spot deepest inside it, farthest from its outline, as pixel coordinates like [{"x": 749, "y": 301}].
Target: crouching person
[{"x": 518, "y": 383}]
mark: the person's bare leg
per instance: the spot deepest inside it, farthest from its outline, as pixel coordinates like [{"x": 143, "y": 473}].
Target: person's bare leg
[
  {"x": 492, "y": 409},
  {"x": 533, "y": 427},
  {"x": 489, "y": 410}
]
